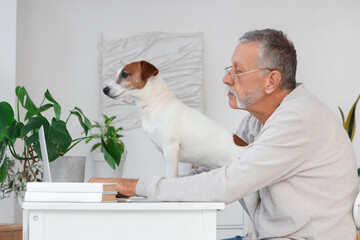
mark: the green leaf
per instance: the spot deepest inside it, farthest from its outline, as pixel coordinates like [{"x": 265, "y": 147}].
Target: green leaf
[
  {"x": 95, "y": 135},
  {"x": 83, "y": 125},
  {"x": 89, "y": 139},
  {"x": 3, "y": 161},
  {"x": 32, "y": 139},
  {"x": 115, "y": 150},
  {"x": 108, "y": 157},
  {"x": 86, "y": 120},
  {"x": 105, "y": 117},
  {"x": 79, "y": 110},
  {"x": 13, "y": 132},
  {"x": 111, "y": 131},
  {"x": 34, "y": 124},
  {"x": 109, "y": 120},
  {"x": 6, "y": 117},
  {"x": 37, "y": 149},
  {"x": 350, "y": 123},
  {"x": 46, "y": 107},
  {"x": 342, "y": 116},
  {"x": 98, "y": 125},
  {"x": 58, "y": 140},
  {"x": 25, "y": 100},
  {"x": 3, "y": 170},
  {"x": 49, "y": 97},
  {"x": 28, "y": 115},
  {"x": 95, "y": 147},
  {"x": 57, "y": 108}
]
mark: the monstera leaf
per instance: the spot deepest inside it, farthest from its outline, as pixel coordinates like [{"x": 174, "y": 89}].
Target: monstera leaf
[
  {"x": 6, "y": 118},
  {"x": 58, "y": 140},
  {"x": 26, "y": 102}
]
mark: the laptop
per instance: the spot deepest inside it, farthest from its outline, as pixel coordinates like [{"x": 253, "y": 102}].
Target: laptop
[
  {"x": 44, "y": 154},
  {"x": 47, "y": 173}
]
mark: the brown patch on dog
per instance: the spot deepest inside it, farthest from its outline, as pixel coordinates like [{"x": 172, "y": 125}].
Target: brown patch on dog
[
  {"x": 148, "y": 70},
  {"x": 238, "y": 141},
  {"x": 135, "y": 75}
]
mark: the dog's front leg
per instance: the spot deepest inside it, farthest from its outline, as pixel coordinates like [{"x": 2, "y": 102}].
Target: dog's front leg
[{"x": 171, "y": 156}]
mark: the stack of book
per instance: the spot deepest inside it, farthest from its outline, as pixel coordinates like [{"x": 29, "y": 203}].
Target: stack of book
[{"x": 70, "y": 192}]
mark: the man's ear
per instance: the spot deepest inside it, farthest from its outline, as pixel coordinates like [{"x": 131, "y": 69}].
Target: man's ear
[
  {"x": 273, "y": 81},
  {"x": 148, "y": 70}
]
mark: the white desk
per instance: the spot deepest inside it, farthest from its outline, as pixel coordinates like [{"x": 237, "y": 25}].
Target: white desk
[{"x": 121, "y": 220}]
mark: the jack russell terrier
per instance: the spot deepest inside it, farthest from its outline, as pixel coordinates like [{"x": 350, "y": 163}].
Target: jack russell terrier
[{"x": 179, "y": 132}]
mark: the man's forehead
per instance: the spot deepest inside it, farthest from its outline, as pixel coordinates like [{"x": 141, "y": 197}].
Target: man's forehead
[{"x": 245, "y": 52}]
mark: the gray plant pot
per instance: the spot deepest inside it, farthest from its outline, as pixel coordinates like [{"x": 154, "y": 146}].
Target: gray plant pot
[{"x": 68, "y": 169}]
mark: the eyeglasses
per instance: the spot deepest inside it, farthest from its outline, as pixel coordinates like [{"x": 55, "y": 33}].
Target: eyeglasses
[{"x": 233, "y": 75}]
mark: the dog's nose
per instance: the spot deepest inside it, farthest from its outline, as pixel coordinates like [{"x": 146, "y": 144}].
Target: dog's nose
[{"x": 106, "y": 90}]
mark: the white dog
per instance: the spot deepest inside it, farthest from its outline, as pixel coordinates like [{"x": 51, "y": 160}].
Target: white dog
[{"x": 181, "y": 133}]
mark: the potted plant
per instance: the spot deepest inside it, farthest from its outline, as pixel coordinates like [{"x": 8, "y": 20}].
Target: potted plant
[
  {"x": 112, "y": 148},
  {"x": 350, "y": 122},
  {"x": 13, "y": 131}
]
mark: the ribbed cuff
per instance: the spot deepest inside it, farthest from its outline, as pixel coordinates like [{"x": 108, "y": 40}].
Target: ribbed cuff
[{"x": 146, "y": 185}]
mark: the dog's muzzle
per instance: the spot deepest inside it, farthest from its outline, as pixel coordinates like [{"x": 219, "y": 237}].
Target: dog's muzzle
[
  {"x": 106, "y": 90},
  {"x": 112, "y": 92}
]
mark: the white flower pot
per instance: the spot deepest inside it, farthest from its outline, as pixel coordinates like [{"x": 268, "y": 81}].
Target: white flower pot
[{"x": 98, "y": 167}]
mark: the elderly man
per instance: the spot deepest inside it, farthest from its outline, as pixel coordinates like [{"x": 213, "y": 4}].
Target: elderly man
[{"x": 297, "y": 178}]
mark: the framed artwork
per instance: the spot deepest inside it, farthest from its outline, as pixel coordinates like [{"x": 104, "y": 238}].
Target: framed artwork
[{"x": 178, "y": 56}]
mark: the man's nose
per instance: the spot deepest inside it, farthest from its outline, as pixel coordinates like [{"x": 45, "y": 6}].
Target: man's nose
[{"x": 227, "y": 79}]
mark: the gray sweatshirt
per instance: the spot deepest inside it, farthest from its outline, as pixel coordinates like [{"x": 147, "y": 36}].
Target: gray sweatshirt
[{"x": 296, "y": 179}]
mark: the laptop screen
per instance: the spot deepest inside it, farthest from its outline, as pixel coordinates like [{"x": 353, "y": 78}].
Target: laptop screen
[{"x": 44, "y": 154}]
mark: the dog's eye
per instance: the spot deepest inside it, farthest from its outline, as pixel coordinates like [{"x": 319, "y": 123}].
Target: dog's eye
[{"x": 124, "y": 74}]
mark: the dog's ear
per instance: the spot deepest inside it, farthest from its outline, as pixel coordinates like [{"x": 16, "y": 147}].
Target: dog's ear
[{"x": 148, "y": 70}]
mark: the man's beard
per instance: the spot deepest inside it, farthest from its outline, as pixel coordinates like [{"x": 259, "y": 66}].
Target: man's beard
[{"x": 247, "y": 99}]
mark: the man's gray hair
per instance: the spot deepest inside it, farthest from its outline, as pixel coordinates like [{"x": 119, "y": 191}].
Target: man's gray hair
[{"x": 275, "y": 52}]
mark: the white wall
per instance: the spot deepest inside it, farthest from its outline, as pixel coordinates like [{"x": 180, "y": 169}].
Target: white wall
[
  {"x": 8, "y": 50},
  {"x": 57, "y": 49},
  {"x": 7, "y": 78}
]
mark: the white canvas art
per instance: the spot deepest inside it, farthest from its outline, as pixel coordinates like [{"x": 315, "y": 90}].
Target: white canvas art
[{"x": 178, "y": 56}]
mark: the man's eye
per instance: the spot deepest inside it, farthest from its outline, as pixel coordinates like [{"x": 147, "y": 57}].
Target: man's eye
[{"x": 124, "y": 74}]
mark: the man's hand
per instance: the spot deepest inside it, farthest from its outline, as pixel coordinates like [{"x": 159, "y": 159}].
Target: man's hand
[{"x": 125, "y": 187}]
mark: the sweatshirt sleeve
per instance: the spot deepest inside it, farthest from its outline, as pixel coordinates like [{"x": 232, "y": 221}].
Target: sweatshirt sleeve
[{"x": 276, "y": 154}]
